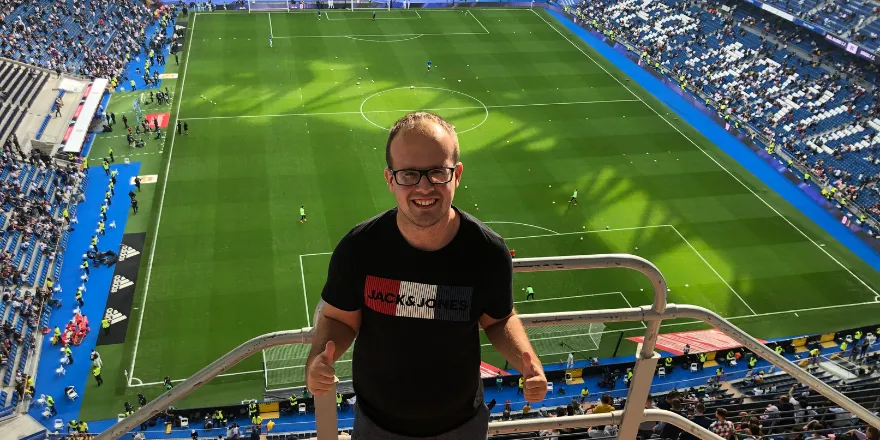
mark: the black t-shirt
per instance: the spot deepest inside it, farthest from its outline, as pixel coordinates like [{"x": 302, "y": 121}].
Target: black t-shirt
[{"x": 420, "y": 320}]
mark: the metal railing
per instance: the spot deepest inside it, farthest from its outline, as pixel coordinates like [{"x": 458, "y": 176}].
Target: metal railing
[{"x": 628, "y": 419}]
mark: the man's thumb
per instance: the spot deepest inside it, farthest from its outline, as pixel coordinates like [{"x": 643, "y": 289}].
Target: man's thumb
[
  {"x": 528, "y": 366},
  {"x": 329, "y": 350}
]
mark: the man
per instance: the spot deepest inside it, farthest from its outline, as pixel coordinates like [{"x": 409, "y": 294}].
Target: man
[
  {"x": 429, "y": 65},
  {"x": 97, "y": 373},
  {"x": 50, "y": 403},
  {"x": 134, "y": 206},
  {"x": 137, "y": 182},
  {"x": 436, "y": 308},
  {"x": 302, "y": 214},
  {"x": 574, "y": 198},
  {"x": 530, "y": 293},
  {"x": 105, "y": 325},
  {"x": 270, "y": 41},
  {"x": 185, "y": 129},
  {"x": 179, "y": 128},
  {"x": 700, "y": 419},
  {"x": 721, "y": 426},
  {"x": 95, "y": 357},
  {"x": 570, "y": 361}
]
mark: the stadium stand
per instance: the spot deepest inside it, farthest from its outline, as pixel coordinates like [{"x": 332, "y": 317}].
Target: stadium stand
[
  {"x": 818, "y": 113},
  {"x": 19, "y": 86},
  {"x": 87, "y": 38},
  {"x": 33, "y": 197}
]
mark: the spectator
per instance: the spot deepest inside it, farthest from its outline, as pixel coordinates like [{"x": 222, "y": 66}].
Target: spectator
[{"x": 722, "y": 427}]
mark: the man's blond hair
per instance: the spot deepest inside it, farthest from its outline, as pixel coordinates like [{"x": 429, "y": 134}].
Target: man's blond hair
[{"x": 420, "y": 121}]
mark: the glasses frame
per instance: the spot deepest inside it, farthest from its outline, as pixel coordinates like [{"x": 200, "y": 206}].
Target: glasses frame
[{"x": 423, "y": 174}]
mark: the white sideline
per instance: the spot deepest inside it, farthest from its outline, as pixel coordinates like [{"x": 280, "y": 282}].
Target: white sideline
[
  {"x": 161, "y": 204},
  {"x": 271, "y": 34},
  {"x": 535, "y": 104},
  {"x": 478, "y": 21},
  {"x": 713, "y": 269},
  {"x": 562, "y": 298},
  {"x": 710, "y": 157}
]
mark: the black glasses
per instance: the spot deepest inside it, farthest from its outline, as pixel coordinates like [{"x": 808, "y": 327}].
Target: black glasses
[{"x": 413, "y": 177}]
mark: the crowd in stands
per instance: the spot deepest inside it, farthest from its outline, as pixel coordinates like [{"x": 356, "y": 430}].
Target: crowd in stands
[
  {"x": 91, "y": 38},
  {"x": 772, "y": 77},
  {"x": 764, "y": 404},
  {"x": 37, "y": 206}
]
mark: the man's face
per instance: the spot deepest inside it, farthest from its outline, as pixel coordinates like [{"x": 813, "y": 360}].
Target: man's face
[{"x": 424, "y": 204}]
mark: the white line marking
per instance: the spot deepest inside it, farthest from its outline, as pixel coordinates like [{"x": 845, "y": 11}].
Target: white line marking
[
  {"x": 302, "y": 274},
  {"x": 587, "y": 232},
  {"x": 312, "y": 11},
  {"x": 270, "y": 26},
  {"x": 711, "y": 158},
  {"x": 478, "y": 21},
  {"x": 713, "y": 270},
  {"x": 628, "y": 304},
  {"x": 316, "y": 253},
  {"x": 142, "y": 384},
  {"x": 161, "y": 205},
  {"x": 367, "y": 18},
  {"x": 418, "y": 15},
  {"x": 522, "y": 224},
  {"x": 570, "y": 297},
  {"x": 538, "y": 104},
  {"x": 383, "y": 35}
]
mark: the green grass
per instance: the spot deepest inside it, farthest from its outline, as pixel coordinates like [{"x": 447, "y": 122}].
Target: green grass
[{"x": 537, "y": 119}]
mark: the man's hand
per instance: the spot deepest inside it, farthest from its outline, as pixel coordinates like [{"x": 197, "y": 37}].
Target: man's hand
[
  {"x": 535, "y": 386},
  {"x": 320, "y": 377}
]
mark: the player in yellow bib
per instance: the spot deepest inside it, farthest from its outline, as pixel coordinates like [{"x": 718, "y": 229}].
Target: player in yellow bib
[
  {"x": 302, "y": 214},
  {"x": 530, "y": 293},
  {"x": 574, "y": 198}
]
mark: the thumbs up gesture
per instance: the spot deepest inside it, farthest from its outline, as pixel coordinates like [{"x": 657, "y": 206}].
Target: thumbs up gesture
[
  {"x": 535, "y": 386},
  {"x": 320, "y": 377}
]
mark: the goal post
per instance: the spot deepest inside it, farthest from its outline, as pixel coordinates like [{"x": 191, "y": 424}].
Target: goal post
[
  {"x": 284, "y": 366},
  {"x": 366, "y": 5},
  {"x": 268, "y": 5}
]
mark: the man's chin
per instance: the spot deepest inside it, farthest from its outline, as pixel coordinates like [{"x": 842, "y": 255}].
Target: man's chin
[{"x": 424, "y": 219}]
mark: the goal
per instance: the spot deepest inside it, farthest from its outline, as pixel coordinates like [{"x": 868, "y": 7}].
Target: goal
[
  {"x": 300, "y": 5},
  {"x": 269, "y": 5},
  {"x": 563, "y": 339},
  {"x": 284, "y": 366}
]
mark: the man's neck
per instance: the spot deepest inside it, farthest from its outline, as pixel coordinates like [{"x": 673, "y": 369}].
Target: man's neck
[{"x": 432, "y": 238}]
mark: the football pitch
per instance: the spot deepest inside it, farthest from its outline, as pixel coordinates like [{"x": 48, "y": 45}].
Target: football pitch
[{"x": 539, "y": 114}]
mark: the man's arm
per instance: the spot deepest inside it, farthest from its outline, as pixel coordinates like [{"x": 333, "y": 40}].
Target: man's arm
[
  {"x": 334, "y": 333},
  {"x": 509, "y": 337}
]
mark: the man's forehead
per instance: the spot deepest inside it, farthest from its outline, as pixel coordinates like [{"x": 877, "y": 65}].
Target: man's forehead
[{"x": 428, "y": 143}]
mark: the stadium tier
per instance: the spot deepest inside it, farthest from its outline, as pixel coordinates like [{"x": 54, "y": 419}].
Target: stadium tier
[{"x": 156, "y": 156}]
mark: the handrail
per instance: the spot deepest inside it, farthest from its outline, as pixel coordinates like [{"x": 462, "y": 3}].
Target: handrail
[
  {"x": 203, "y": 376},
  {"x": 611, "y": 418},
  {"x": 646, "y": 360}
]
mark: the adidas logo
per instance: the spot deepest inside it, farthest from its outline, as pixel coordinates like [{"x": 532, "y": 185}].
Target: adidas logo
[
  {"x": 127, "y": 252},
  {"x": 120, "y": 282},
  {"x": 114, "y": 316}
]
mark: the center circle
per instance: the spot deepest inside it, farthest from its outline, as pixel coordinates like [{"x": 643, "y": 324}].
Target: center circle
[{"x": 456, "y": 107}]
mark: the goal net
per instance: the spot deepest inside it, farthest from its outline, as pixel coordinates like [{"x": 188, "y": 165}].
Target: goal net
[
  {"x": 284, "y": 366},
  {"x": 269, "y": 5},
  {"x": 563, "y": 339},
  {"x": 329, "y": 5}
]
